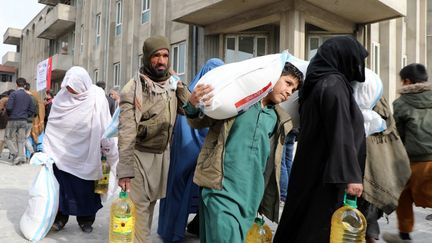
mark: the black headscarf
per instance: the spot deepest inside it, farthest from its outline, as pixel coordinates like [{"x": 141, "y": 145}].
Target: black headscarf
[{"x": 341, "y": 55}]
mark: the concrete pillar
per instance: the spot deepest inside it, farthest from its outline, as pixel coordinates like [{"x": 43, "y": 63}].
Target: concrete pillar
[
  {"x": 416, "y": 31},
  {"x": 429, "y": 38},
  {"x": 401, "y": 56},
  {"x": 388, "y": 54},
  {"x": 292, "y": 33}
]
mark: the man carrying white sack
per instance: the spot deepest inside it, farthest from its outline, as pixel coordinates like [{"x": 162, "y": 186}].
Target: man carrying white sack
[{"x": 240, "y": 158}]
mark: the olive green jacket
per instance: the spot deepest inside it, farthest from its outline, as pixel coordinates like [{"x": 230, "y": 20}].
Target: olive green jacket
[
  {"x": 148, "y": 112},
  {"x": 209, "y": 169}
]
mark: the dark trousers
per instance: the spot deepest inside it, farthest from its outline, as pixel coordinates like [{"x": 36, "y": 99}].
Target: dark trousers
[{"x": 81, "y": 219}]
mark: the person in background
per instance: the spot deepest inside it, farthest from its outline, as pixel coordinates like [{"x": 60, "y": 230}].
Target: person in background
[
  {"x": 182, "y": 196},
  {"x": 413, "y": 116},
  {"x": 20, "y": 108},
  {"x": 111, "y": 102},
  {"x": 148, "y": 109},
  {"x": 48, "y": 103},
  {"x": 331, "y": 146},
  {"x": 3, "y": 118},
  {"x": 233, "y": 167},
  {"x": 115, "y": 95},
  {"x": 28, "y": 144},
  {"x": 287, "y": 159}
]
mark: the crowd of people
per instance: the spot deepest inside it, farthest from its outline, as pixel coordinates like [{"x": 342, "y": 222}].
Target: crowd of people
[{"x": 229, "y": 171}]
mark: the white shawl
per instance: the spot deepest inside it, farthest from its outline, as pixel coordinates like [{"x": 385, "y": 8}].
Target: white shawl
[{"x": 76, "y": 123}]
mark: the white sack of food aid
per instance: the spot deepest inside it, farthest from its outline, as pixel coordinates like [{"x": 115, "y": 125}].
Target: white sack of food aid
[
  {"x": 291, "y": 105},
  {"x": 44, "y": 199},
  {"x": 239, "y": 85},
  {"x": 367, "y": 94}
]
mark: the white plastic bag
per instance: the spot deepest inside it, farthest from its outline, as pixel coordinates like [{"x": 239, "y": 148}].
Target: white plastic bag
[
  {"x": 44, "y": 199},
  {"x": 239, "y": 85},
  {"x": 112, "y": 129},
  {"x": 367, "y": 94}
]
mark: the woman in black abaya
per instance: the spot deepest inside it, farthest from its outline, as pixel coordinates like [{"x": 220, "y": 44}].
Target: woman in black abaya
[{"x": 331, "y": 147}]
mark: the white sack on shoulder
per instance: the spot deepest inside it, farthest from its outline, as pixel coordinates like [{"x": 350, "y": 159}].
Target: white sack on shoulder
[
  {"x": 44, "y": 199},
  {"x": 239, "y": 85},
  {"x": 367, "y": 94}
]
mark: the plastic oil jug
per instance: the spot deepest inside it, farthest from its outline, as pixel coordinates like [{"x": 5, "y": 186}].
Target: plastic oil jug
[
  {"x": 260, "y": 232},
  {"x": 348, "y": 225},
  {"x": 101, "y": 185},
  {"x": 122, "y": 224}
]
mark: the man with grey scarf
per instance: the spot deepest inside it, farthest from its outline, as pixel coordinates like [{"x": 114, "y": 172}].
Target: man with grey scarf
[{"x": 148, "y": 105}]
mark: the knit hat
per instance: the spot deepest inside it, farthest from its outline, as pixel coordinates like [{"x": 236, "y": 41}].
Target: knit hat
[{"x": 153, "y": 44}]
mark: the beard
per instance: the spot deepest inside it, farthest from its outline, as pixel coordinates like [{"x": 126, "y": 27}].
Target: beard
[{"x": 160, "y": 72}]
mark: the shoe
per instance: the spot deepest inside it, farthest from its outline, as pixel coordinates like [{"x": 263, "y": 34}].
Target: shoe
[
  {"x": 393, "y": 238},
  {"x": 193, "y": 226},
  {"x": 87, "y": 228},
  {"x": 58, "y": 225},
  {"x": 429, "y": 217}
]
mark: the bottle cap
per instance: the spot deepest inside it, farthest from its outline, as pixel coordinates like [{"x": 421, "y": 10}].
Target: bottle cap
[
  {"x": 259, "y": 221},
  {"x": 349, "y": 202},
  {"x": 123, "y": 194}
]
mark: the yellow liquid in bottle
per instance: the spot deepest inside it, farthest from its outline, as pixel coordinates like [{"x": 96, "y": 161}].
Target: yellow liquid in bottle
[
  {"x": 101, "y": 185},
  {"x": 122, "y": 224},
  {"x": 260, "y": 232},
  {"x": 348, "y": 225}
]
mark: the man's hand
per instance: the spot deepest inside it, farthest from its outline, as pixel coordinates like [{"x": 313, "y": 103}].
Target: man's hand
[
  {"x": 354, "y": 189},
  {"x": 124, "y": 183},
  {"x": 202, "y": 92}
]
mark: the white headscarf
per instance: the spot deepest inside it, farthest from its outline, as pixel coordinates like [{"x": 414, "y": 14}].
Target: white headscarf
[{"x": 76, "y": 124}]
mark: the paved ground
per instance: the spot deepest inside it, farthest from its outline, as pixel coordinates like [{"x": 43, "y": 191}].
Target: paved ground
[{"x": 15, "y": 181}]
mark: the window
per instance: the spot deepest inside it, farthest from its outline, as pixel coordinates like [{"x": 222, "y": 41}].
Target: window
[
  {"x": 375, "y": 58},
  {"x": 116, "y": 74},
  {"x": 145, "y": 11},
  {"x": 98, "y": 28},
  {"x": 179, "y": 59},
  {"x": 118, "y": 17},
  {"x": 96, "y": 76},
  {"x": 242, "y": 47},
  {"x": 82, "y": 39},
  {"x": 314, "y": 42}
]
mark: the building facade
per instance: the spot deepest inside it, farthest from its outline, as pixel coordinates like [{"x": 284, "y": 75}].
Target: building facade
[{"x": 106, "y": 36}]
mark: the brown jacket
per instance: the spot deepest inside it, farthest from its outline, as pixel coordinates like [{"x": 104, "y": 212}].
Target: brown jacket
[
  {"x": 209, "y": 169},
  {"x": 147, "y": 115}
]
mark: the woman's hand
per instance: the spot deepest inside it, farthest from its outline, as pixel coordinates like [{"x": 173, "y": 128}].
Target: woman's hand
[
  {"x": 202, "y": 92},
  {"x": 354, "y": 189}
]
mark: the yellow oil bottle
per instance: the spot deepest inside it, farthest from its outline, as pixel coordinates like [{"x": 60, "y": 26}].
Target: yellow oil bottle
[
  {"x": 101, "y": 185},
  {"x": 260, "y": 232},
  {"x": 122, "y": 224},
  {"x": 348, "y": 225}
]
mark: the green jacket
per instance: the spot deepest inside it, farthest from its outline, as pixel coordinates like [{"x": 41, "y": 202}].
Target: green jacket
[
  {"x": 413, "y": 116},
  {"x": 209, "y": 169}
]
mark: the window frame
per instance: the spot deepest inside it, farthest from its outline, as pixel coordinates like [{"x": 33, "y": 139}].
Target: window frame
[
  {"x": 145, "y": 10},
  {"x": 116, "y": 74},
  {"x": 175, "y": 57},
  {"x": 98, "y": 28},
  {"x": 237, "y": 37},
  {"x": 95, "y": 75},
  {"x": 375, "y": 57},
  {"x": 118, "y": 17}
]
